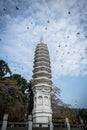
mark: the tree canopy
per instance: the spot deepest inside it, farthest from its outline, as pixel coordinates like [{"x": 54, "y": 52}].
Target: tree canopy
[
  {"x": 30, "y": 98},
  {"x": 16, "y": 96},
  {"x": 4, "y": 69},
  {"x": 20, "y": 81},
  {"x": 11, "y": 100},
  {"x": 55, "y": 97}
]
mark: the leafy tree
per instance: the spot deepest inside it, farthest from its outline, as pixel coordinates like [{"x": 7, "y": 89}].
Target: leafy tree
[
  {"x": 21, "y": 82},
  {"x": 4, "y": 69},
  {"x": 26, "y": 88},
  {"x": 55, "y": 94},
  {"x": 82, "y": 113},
  {"x": 30, "y": 97},
  {"x": 55, "y": 101},
  {"x": 11, "y": 100},
  {"x": 69, "y": 113},
  {"x": 16, "y": 96},
  {"x": 60, "y": 109}
]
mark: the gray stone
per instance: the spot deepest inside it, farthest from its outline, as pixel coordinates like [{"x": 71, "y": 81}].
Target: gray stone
[
  {"x": 42, "y": 84},
  {"x": 4, "y": 124}
]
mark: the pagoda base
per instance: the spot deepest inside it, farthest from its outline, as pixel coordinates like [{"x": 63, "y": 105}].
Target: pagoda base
[{"x": 41, "y": 119}]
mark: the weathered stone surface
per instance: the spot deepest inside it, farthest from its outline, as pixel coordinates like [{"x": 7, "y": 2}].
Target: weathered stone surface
[{"x": 42, "y": 85}]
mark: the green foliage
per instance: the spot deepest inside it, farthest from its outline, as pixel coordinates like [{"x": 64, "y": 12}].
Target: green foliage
[
  {"x": 21, "y": 82},
  {"x": 69, "y": 113},
  {"x": 82, "y": 113},
  {"x": 16, "y": 96},
  {"x": 55, "y": 100},
  {"x": 30, "y": 98},
  {"x": 11, "y": 101},
  {"x": 62, "y": 112},
  {"x": 26, "y": 88},
  {"x": 4, "y": 69}
]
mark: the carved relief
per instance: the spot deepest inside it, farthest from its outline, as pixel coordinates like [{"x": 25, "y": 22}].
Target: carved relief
[
  {"x": 40, "y": 100},
  {"x": 46, "y": 101}
]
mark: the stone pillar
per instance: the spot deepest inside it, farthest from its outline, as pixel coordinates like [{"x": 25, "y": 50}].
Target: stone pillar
[
  {"x": 30, "y": 122},
  {"x": 50, "y": 123},
  {"x": 81, "y": 121},
  {"x": 67, "y": 123},
  {"x": 4, "y": 124}
]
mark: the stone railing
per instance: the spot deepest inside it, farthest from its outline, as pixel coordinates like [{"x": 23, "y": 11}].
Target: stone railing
[{"x": 29, "y": 125}]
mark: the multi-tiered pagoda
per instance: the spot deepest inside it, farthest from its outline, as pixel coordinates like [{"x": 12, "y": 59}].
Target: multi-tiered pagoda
[{"x": 42, "y": 84}]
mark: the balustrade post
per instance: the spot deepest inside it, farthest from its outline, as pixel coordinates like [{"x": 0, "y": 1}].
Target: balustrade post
[
  {"x": 30, "y": 122},
  {"x": 50, "y": 123},
  {"x": 4, "y": 124},
  {"x": 67, "y": 123}
]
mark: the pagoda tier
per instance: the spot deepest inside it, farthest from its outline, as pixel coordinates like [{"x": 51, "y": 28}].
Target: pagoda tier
[{"x": 42, "y": 71}]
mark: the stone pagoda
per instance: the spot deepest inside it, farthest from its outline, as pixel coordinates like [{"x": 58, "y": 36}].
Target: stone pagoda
[{"x": 42, "y": 84}]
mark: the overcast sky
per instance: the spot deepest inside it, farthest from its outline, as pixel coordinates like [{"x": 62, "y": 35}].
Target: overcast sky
[{"x": 63, "y": 24}]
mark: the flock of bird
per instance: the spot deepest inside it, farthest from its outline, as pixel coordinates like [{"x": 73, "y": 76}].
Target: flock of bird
[{"x": 46, "y": 28}]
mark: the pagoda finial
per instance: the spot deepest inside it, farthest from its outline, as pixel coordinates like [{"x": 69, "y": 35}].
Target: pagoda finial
[{"x": 41, "y": 39}]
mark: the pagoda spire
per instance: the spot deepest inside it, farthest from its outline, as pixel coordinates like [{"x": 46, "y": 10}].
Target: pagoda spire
[{"x": 41, "y": 39}]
